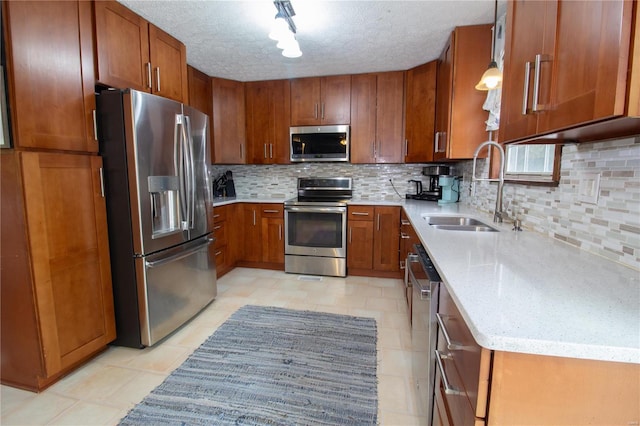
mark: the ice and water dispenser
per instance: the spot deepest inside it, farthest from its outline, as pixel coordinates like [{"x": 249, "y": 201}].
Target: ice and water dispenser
[{"x": 165, "y": 206}]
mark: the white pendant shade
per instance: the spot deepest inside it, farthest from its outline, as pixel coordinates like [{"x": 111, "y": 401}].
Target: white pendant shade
[{"x": 491, "y": 79}]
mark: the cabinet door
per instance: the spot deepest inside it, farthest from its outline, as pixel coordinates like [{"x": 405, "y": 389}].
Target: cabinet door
[
  {"x": 363, "y": 113},
  {"x": 252, "y": 235},
  {"x": 50, "y": 74},
  {"x": 169, "y": 62},
  {"x": 589, "y": 73},
  {"x": 305, "y": 101},
  {"x": 420, "y": 102},
  {"x": 524, "y": 26},
  {"x": 273, "y": 240},
  {"x": 122, "y": 46},
  {"x": 228, "y": 121},
  {"x": 68, "y": 242},
  {"x": 335, "y": 107},
  {"x": 359, "y": 245},
  {"x": 386, "y": 244},
  {"x": 443, "y": 100},
  {"x": 389, "y": 117},
  {"x": 200, "y": 97}
]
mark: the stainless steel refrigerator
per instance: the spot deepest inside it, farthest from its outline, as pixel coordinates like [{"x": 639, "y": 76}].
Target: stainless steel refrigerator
[{"x": 158, "y": 195}]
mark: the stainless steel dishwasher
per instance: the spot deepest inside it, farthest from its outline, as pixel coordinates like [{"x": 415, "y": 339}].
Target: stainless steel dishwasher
[{"x": 425, "y": 282}]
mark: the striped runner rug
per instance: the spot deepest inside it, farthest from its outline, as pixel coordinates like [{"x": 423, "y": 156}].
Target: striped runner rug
[{"x": 272, "y": 366}]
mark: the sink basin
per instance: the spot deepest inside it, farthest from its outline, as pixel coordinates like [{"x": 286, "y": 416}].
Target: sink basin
[{"x": 458, "y": 223}]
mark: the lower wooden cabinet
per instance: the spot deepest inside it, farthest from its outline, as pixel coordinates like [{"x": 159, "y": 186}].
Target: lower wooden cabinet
[
  {"x": 263, "y": 235},
  {"x": 508, "y": 388},
  {"x": 57, "y": 303},
  {"x": 373, "y": 240},
  {"x": 224, "y": 231}
]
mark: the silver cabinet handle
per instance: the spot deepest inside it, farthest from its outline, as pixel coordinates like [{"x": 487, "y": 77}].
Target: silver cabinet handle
[
  {"x": 158, "y": 78},
  {"x": 280, "y": 232},
  {"x": 216, "y": 216},
  {"x": 218, "y": 253},
  {"x": 405, "y": 223},
  {"x": 254, "y": 218},
  {"x": 525, "y": 91},
  {"x": 270, "y": 211},
  {"x": 215, "y": 228},
  {"x": 360, "y": 213},
  {"x": 436, "y": 142},
  {"x": 270, "y": 150},
  {"x": 378, "y": 222},
  {"x": 406, "y": 147},
  {"x": 95, "y": 125},
  {"x": 315, "y": 111},
  {"x": 445, "y": 381},
  {"x": 404, "y": 236},
  {"x": 149, "y": 84},
  {"x": 452, "y": 346},
  {"x": 350, "y": 234},
  {"x": 535, "y": 107},
  {"x": 102, "y": 182},
  {"x": 265, "y": 150},
  {"x": 373, "y": 149},
  {"x": 241, "y": 152},
  {"x": 322, "y": 109}
]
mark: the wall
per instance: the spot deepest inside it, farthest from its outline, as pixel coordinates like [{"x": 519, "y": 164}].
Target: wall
[{"x": 610, "y": 227}]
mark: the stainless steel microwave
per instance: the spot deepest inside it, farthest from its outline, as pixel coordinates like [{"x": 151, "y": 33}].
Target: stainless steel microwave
[{"x": 319, "y": 143}]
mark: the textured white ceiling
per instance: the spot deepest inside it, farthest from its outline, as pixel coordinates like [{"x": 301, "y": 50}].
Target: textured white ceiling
[{"x": 229, "y": 38}]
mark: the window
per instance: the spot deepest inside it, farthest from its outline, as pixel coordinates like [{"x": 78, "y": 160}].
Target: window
[{"x": 533, "y": 163}]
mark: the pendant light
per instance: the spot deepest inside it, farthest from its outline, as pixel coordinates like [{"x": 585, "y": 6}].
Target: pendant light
[{"x": 492, "y": 77}]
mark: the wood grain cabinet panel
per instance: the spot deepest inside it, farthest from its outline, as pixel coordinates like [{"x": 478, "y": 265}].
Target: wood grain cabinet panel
[
  {"x": 580, "y": 81},
  {"x": 64, "y": 215},
  {"x": 377, "y": 117},
  {"x": 460, "y": 120},
  {"x": 373, "y": 240},
  {"x": 263, "y": 236},
  {"x": 267, "y": 119},
  {"x": 201, "y": 98},
  {"x": 419, "y": 106},
  {"x": 51, "y": 74},
  {"x": 133, "y": 53},
  {"x": 229, "y": 137},
  {"x": 321, "y": 100}
]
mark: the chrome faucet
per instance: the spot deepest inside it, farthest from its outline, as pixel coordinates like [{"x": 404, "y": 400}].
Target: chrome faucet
[{"x": 498, "y": 214}]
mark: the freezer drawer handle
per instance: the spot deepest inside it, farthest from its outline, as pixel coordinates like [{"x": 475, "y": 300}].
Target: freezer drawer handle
[
  {"x": 445, "y": 381},
  {"x": 180, "y": 255},
  {"x": 452, "y": 346}
]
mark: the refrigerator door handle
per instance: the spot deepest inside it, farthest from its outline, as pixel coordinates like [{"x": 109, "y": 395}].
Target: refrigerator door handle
[
  {"x": 191, "y": 175},
  {"x": 181, "y": 255},
  {"x": 179, "y": 163}
]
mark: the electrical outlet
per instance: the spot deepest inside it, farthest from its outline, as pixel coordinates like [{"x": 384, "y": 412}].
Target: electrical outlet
[{"x": 589, "y": 188}]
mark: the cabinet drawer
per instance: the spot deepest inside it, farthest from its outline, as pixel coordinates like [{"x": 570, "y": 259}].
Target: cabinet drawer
[
  {"x": 219, "y": 214},
  {"x": 221, "y": 256},
  {"x": 360, "y": 212},
  {"x": 272, "y": 210},
  {"x": 220, "y": 233},
  {"x": 451, "y": 405},
  {"x": 471, "y": 361}
]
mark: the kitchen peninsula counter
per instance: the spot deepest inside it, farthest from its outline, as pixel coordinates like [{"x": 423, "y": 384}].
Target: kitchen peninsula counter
[{"x": 527, "y": 293}]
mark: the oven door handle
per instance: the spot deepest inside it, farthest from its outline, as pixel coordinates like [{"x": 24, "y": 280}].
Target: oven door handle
[{"x": 318, "y": 209}]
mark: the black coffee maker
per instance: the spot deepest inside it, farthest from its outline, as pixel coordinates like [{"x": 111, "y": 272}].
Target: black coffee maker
[
  {"x": 223, "y": 185},
  {"x": 433, "y": 191}
]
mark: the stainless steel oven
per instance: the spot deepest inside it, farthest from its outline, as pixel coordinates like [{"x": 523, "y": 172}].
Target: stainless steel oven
[{"x": 315, "y": 226}]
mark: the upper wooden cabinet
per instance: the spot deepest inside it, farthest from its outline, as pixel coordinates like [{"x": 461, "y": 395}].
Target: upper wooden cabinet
[
  {"x": 57, "y": 301},
  {"x": 200, "y": 97},
  {"x": 268, "y": 113},
  {"x": 420, "y": 102},
  {"x": 377, "y": 117},
  {"x": 132, "y": 53},
  {"x": 460, "y": 120},
  {"x": 320, "y": 100},
  {"x": 228, "y": 121},
  {"x": 51, "y": 74},
  {"x": 555, "y": 80}
]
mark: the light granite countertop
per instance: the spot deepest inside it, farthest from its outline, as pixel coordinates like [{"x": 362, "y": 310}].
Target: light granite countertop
[{"x": 525, "y": 292}]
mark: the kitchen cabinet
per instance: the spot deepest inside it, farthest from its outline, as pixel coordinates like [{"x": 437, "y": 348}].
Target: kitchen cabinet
[
  {"x": 377, "y": 117},
  {"x": 419, "y": 106},
  {"x": 225, "y": 235},
  {"x": 321, "y": 100},
  {"x": 460, "y": 120},
  {"x": 229, "y": 137},
  {"x": 57, "y": 302},
  {"x": 268, "y": 111},
  {"x": 373, "y": 240},
  {"x": 200, "y": 96},
  {"x": 263, "y": 235},
  {"x": 133, "y": 53},
  {"x": 51, "y": 74},
  {"x": 569, "y": 64},
  {"x": 477, "y": 385}
]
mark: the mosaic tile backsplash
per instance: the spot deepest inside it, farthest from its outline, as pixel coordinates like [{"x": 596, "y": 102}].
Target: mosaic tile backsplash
[{"x": 608, "y": 226}]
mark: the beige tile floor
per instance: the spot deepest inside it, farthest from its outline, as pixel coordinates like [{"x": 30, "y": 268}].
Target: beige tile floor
[{"x": 102, "y": 391}]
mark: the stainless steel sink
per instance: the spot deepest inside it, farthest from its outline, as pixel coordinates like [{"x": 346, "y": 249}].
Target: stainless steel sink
[{"x": 458, "y": 223}]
